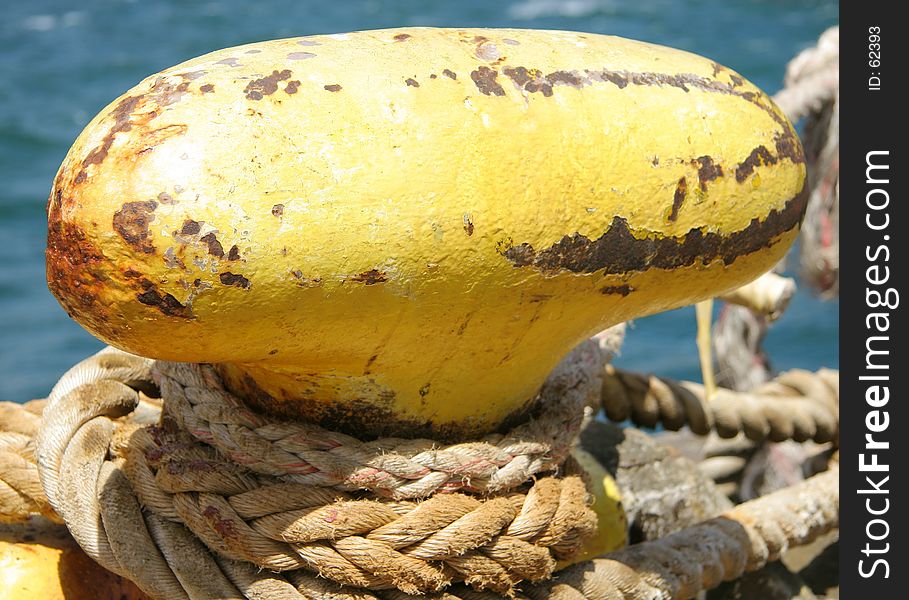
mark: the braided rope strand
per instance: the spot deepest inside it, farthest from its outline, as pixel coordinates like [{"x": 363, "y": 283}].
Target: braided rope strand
[
  {"x": 396, "y": 468},
  {"x": 191, "y": 491},
  {"x": 207, "y": 525},
  {"x": 797, "y": 405}
]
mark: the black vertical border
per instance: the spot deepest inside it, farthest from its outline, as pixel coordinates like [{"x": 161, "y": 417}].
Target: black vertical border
[{"x": 870, "y": 121}]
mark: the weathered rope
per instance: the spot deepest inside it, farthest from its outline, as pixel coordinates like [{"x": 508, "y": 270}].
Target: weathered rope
[
  {"x": 396, "y": 468},
  {"x": 797, "y": 405},
  {"x": 21, "y": 495},
  {"x": 169, "y": 499},
  {"x": 812, "y": 92},
  {"x": 100, "y": 469},
  {"x": 682, "y": 564},
  {"x": 768, "y": 295}
]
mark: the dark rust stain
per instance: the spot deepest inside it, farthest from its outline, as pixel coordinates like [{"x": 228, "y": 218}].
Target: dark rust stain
[
  {"x": 617, "y": 251},
  {"x": 165, "y": 93},
  {"x": 684, "y": 81},
  {"x": 225, "y": 527},
  {"x": 190, "y": 227},
  {"x": 214, "y": 246},
  {"x": 292, "y": 87},
  {"x": 370, "y": 277},
  {"x": 622, "y": 79},
  {"x": 533, "y": 80},
  {"x": 618, "y": 80},
  {"x": 402, "y": 37},
  {"x": 463, "y": 326},
  {"x": 132, "y": 221},
  {"x": 789, "y": 147},
  {"x": 433, "y": 76},
  {"x": 707, "y": 171},
  {"x": 736, "y": 80},
  {"x": 228, "y": 278},
  {"x": 151, "y": 139},
  {"x": 332, "y": 87},
  {"x": 372, "y": 359},
  {"x": 233, "y": 253},
  {"x": 681, "y": 191},
  {"x": 121, "y": 116},
  {"x": 468, "y": 226},
  {"x": 569, "y": 78},
  {"x": 449, "y": 73},
  {"x": 166, "y": 303},
  {"x": 207, "y": 88},
  {"x": 75, "y": 266},
  {"x": 306, "y": 282},
  {"x": 424, "y": 391},
  {"x": 521, "y": 76},
  {"x": 759, "y": 156},
  {"x": 412, "y": 82},
  {"x": 80, "y": 177},
  {"x": 521, "y": 255},
  {"x": 277, "y": 210},
  {"x": 165, "y": 198},
  {"x": 259, "y": 88},
  {"x": 622, "y": 290},
  {"x": 485, "y": 80}
]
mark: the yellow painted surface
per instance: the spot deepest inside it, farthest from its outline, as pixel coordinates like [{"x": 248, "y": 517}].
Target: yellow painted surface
[
  {"x": 403, "y": 231},
  {"x": 41, "y": 562},
  {"x": 612, "y": 524}
]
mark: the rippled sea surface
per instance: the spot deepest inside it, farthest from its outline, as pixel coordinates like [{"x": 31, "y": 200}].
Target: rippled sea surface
[{"x": 62, "y": 62}]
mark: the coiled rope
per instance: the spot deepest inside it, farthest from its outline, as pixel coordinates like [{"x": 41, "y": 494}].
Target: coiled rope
[
  {"x": 21, "y": 495},
  {"x": 812, "y": 90},
  {"x": 798, "y": 405},
  {"x": 271, "y": 494},
  {"x": 186, "y": 519}
]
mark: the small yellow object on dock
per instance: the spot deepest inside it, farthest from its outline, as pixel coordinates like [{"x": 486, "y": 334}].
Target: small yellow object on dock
[{"x": 40, "y": 561}]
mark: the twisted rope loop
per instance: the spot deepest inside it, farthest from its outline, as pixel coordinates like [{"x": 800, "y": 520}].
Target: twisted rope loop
[
  {"x": 288, "y": 498},
  {"x": 21, "y": 495},
  {"x": 185, "y": 519},
  {"x": 797, "y": 405},
  {"x": 390, "y": 467}
]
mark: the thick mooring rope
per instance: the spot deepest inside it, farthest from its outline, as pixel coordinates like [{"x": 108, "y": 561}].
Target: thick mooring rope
[
  {"x": 812, "y": 92},
  {"x": 396, "y": 468},
  {"x": 797, "y": 405},
  {"x": 272, "y": 498},
  {"x": 182, "y": 520},
  {"x": 21, "y": 494}
]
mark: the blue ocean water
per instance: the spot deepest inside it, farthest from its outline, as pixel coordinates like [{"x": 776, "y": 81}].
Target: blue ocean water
[{"x": 61, "y": 62}]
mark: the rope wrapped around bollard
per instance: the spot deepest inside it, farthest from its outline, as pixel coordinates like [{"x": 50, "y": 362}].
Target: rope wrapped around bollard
[
  {"x": 185, "y": 519},
  {"x": 272, "y": 497}
]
